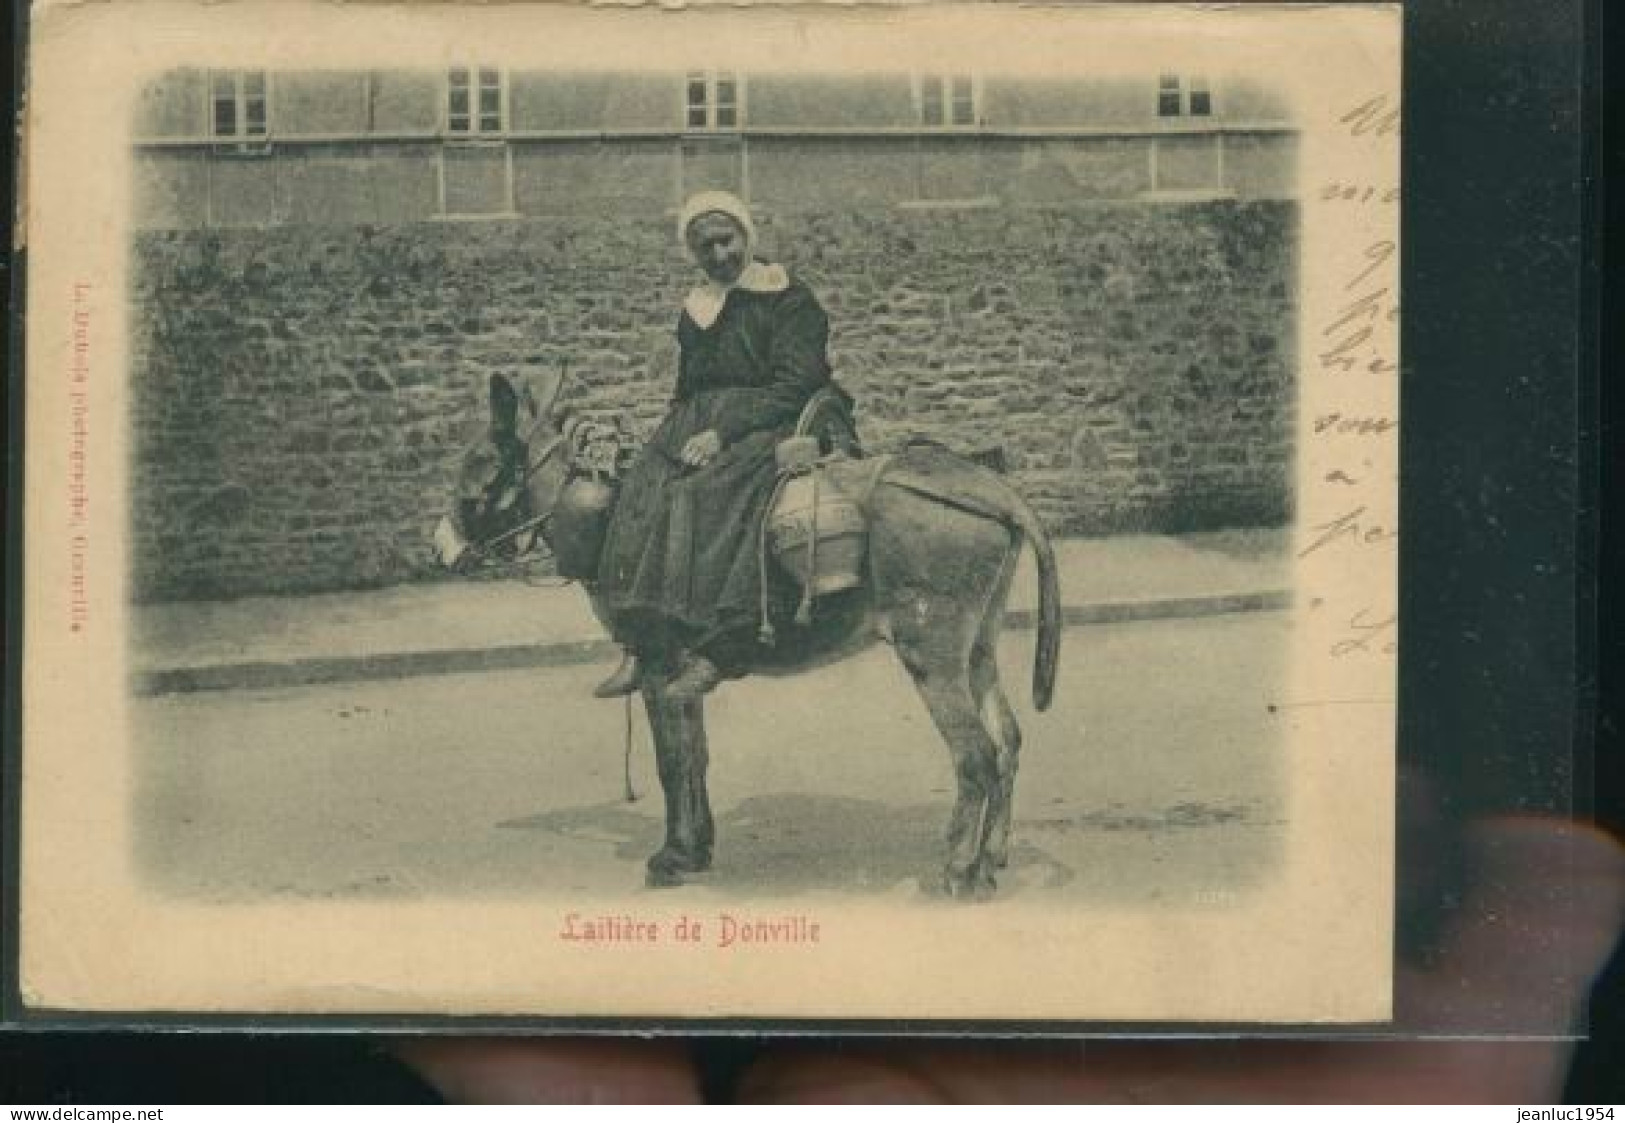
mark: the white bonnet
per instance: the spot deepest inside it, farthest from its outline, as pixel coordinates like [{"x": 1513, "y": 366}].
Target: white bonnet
[{"x": 715, "y": 202}]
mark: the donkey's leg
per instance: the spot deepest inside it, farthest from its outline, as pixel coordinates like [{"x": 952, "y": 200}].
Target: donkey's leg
[
  {"x": 997, "y": 716},
  {"x": 944, "y": 685},
  {"x": 938, "y": 571},
  {"x": 1000, "y": 721},
  {"x": 705, "y": 827},
  {"x": 681, "y": 758}
]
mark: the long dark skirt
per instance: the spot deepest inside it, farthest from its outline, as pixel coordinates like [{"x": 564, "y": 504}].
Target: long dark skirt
[{"x": 681, "y": 566}]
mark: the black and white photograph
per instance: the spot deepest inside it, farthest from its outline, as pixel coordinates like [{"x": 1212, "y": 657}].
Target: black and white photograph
[{"x": 783, "y": 513}]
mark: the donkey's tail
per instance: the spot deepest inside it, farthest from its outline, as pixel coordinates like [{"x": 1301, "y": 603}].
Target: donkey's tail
[{"x": 1047, "y": 658}]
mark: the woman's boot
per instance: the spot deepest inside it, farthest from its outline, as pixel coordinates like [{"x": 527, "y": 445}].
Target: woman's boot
[{"x": 625, "y": 679}]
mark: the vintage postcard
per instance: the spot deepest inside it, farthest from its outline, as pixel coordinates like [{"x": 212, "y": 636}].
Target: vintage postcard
[{"x": 792, "y": 512}]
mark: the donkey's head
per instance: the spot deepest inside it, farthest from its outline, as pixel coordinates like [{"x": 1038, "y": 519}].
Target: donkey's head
[{"x": 510, "y": 479}]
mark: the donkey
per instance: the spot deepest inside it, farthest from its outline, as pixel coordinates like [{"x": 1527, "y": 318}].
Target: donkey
[{"x": 944, "y": 537}]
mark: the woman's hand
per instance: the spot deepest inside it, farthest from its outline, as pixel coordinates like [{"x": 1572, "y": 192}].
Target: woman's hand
[{"x": 701, "y": 449}]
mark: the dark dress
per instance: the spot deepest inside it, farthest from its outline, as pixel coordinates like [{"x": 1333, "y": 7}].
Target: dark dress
[{"x": 681, "y": 566}]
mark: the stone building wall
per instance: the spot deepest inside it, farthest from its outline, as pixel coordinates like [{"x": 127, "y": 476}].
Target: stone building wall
[{"x": 302, "y": 393}]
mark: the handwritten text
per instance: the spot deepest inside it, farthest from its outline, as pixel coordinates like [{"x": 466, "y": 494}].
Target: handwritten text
[{"x": 1369, "y": 632}]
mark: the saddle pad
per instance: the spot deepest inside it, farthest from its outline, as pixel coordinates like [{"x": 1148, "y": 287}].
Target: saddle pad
[{"x": 930, "y": 470}]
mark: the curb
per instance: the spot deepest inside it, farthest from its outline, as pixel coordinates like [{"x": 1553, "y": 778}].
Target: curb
[{"x": 329, "y": 670}]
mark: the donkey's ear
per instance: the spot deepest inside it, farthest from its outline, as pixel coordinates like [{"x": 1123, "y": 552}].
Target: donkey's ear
[
  {"x": 504, "y": 403},
  {"x": 548, "y": 386}
]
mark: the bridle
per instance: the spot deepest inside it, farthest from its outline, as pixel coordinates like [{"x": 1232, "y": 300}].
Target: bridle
[
  {"x": 574, "y": 438},
  {"x": 533, "y": 464}
]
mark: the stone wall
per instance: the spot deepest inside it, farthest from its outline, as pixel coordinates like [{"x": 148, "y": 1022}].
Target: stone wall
[{"x": 302, "y": 394}]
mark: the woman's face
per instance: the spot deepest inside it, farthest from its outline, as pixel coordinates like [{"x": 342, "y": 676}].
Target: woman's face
[{"x": 718, "y": 245}]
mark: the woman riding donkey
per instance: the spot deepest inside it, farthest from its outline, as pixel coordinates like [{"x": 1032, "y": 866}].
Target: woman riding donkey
[
  {"x": 680, "y": 580},
  {"x": 678, "y": 576}
]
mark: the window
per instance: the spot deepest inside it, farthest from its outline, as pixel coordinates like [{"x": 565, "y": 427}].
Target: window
[
  {"x": 712, "y": 100},
  {"x": 947, "y": 100},
  {"x": 238, "y": 103},
  {"x": 1177, "y": 97},
  {"x": 476, "y": 163},
  {"x": 476, "y": 104}
]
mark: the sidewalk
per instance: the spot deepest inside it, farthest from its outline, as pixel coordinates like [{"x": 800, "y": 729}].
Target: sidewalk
[{"x": 451, "y": 626}]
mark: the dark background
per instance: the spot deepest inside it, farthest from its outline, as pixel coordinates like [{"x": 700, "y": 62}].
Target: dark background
[{"x": 1498, "y": 646}]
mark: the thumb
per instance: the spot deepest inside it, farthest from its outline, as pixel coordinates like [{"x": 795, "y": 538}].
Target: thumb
[
  {"x": 1544, "y": 906},
  {"x": 518, "y": 1071}
]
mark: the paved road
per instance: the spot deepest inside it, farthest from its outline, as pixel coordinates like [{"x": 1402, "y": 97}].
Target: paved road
[{"x": 1156, "y": 775}]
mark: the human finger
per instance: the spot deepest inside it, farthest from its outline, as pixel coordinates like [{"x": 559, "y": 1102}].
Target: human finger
[
  {"x": 1181, "y": 1072},
  {"x": 521, "y": 1070},
  {"x": 1542, "y": 913}
]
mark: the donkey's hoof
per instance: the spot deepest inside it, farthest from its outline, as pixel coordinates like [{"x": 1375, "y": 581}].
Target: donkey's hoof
[
  {"x": 975, "y": 884},
  {"x": 659, "y": 878},
  {"x": 669, "y": 865}
]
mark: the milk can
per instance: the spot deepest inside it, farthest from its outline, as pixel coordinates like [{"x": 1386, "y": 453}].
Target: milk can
[
  {"x": 579, "y": 525},
  {"x": 818, "y": 534}
]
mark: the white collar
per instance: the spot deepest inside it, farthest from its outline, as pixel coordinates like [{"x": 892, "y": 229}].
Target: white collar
[{"x": 704, "y": 302}]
